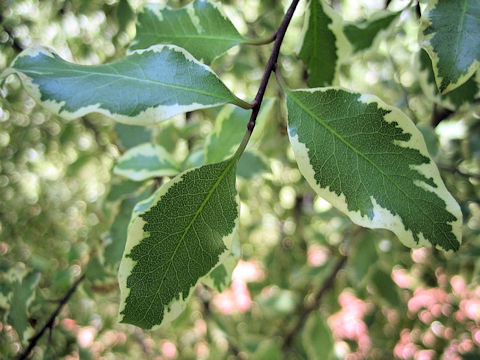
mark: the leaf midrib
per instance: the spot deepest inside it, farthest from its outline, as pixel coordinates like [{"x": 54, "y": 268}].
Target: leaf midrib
[
  {"x": 182, "y": 238},
  {"x": 130, "y": 78}
]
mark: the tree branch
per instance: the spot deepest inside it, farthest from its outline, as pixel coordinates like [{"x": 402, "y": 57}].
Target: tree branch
[
  {"x": 32, "y": 342},
  {"x": 456, "y": 170},
  {"x": 327, "y": 285}
]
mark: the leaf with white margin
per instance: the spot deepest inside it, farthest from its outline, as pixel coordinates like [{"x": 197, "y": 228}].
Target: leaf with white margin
[
  {"x": 201, "y": 28},
  {"x": 174, "y": 240},
  {"x": 458, "y": 98},
  {"x": 365, "y": 34},
  {"x": 450, "y": 34},
  {"x": 221, "y": 276},
  {"x": 324, "y": 44},
  {"x": 146, "y": 161},
  {"x": 230, "y": 126},
  {"x": 370, "y": 161},
  {"x": 145, "y": 87}
]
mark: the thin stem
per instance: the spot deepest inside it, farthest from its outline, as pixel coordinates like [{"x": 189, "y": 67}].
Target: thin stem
[
  {"x": 272, "y": 62},
  {"x": 32, "y": 342},
  {"x": 242, "y": 103},
  {"x": 262, "y": 41},
  {"x": 327, "y": 285}
]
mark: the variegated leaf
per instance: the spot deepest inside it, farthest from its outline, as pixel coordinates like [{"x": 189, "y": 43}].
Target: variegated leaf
[
  {"x": 450, "y": 34},
  {"x": 324, "y": 45},
  {"x": 146, "y": 161},
  {"x": 145, "y": 87},
  {"x": 457, "y": 98},
  {"x": 200, "y": 27},
  {"x": 370, "y": 161},
  {"x": 175, "y": 239}
]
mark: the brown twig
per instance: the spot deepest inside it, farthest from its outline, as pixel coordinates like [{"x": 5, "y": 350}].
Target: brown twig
[
  {"x": 272, "y": 61},
  {"x": 327, "y": 285},
  {"x": 32, "y": 342}
]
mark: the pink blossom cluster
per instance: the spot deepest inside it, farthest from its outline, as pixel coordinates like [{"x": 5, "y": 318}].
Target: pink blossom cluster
[
  {"x": 431, "y": 306},
  {"x": 237, "y": 299},
  {"x": 348, "y": 324}
]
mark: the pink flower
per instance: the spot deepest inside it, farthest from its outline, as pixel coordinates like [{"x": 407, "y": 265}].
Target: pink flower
[
  {"x": 317, "y": 255},
  {"x": 425, "y": 355},
  {"x": 248, "y": 271},
  {"x": 169, "y": 350},
  {"x": 402, "y": 278},
  {"x": 405, "y": 348},
  {"x": 348, "y": 323}
]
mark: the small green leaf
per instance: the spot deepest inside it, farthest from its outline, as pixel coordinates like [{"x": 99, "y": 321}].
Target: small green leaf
[
  {"x": 23, "y": 294},
  {"x": 184, "y": 233},
  {"x": 363, "y": 35},
  {"x": 455, "y": 99},
  {"x": 386, "y": 288},
  {"x": 450, "y": 34},
  {"x": 146, "y": 161},
  {"x": 200, "y": 27},
  {"x": 364, "y": 256},
  {"x": 145, "y": 87},
  {"x": 230, "y": 126},
  {"x": 323, "y": 44},
  {"x": 132, "y": 135},
  {"x": 252, "y": 164},
  {"x": 370, "y": 161},
  {"x": 317, "y": 338}
]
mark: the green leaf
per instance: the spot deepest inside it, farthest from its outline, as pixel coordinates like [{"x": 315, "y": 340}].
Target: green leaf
[
  {"x": 23, "y": 294},
  {"x": 252, "y": 164},
  {"x": 230, "y": 126},
  {"x": 323, "y": 44},
  {"x": 146, "y": 161},
  {"x": 317, "y": 338},
  {"x": 364, "y": 256},
  {"x": 132, "y": 135},
  {"x": 370, "y": 161},
  {"x": 200, "y": 27},
  {"x": 145, "y": 87},
  {"x": 185, "y": 232},
  {"x": 221, "y": 276},
  {"x": 363, "y": 35},
  {"x": 455, "y": 99},
  {"x": 386, "y": 288},
  {"x": 450, "y": 34}
]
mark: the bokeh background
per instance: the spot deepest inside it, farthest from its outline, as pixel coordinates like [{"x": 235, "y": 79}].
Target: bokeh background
[{"x": 62, "y": 211}]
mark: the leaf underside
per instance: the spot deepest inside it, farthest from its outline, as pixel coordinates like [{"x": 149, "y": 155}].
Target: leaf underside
[
  {"x": 199, "y": 27},
  {"x": 370, "y": 161},
  {"x": 184, "y": 233},
  {"x": 451, "y": 36},
  {"x": 143, "y": 88}
]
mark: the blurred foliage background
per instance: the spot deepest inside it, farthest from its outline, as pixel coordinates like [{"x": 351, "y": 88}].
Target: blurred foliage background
[{"x": 63, "y": 212}]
